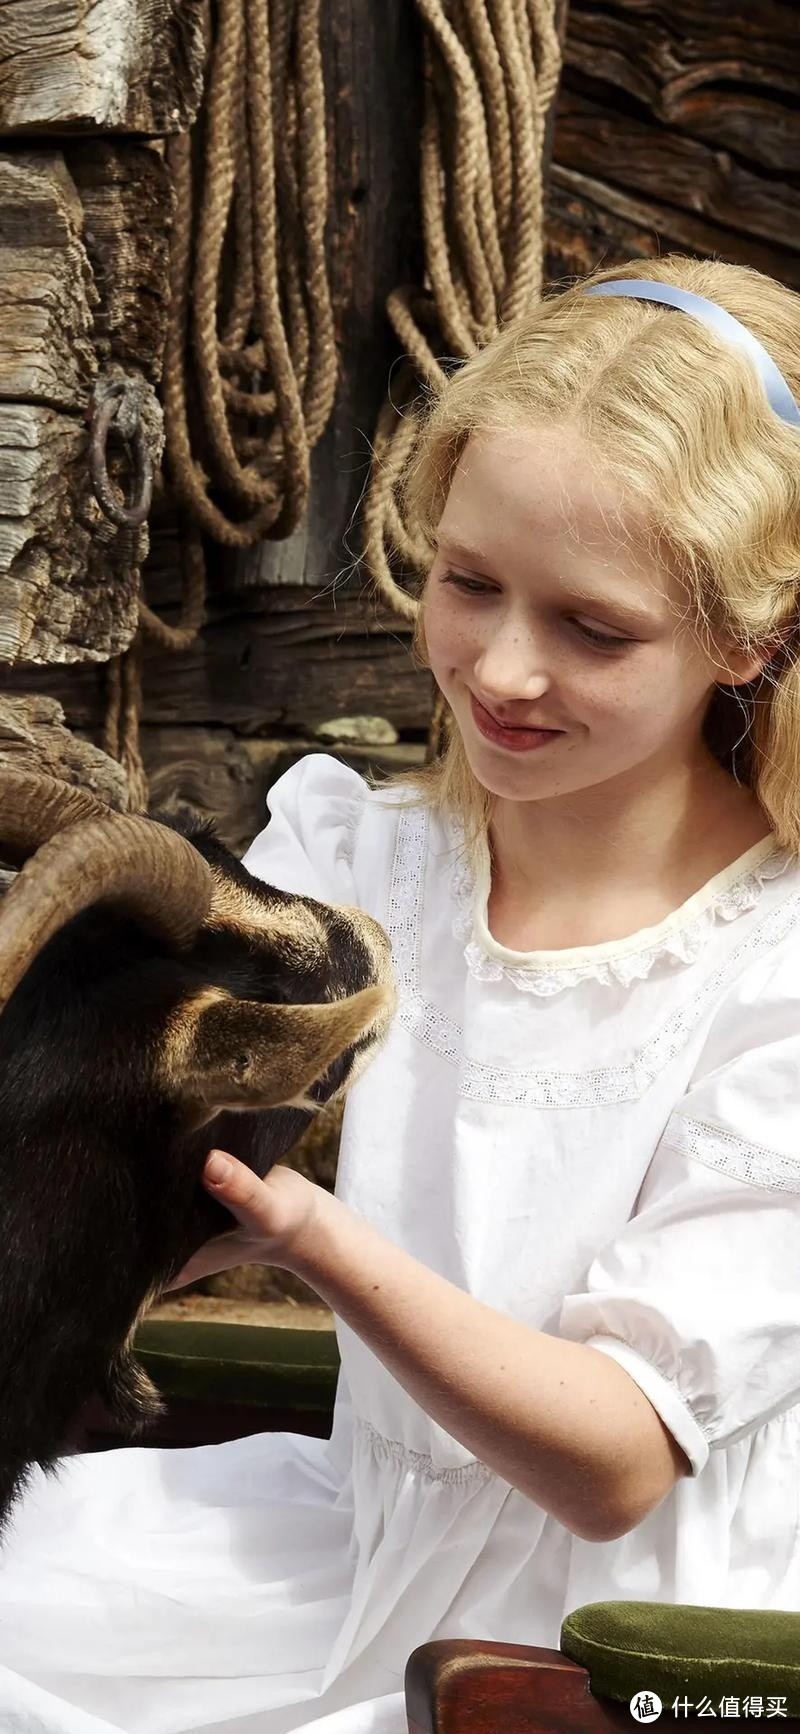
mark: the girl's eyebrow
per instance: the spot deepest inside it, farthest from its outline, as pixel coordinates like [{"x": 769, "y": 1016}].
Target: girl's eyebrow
[
  {"x": 460, "y": 550},
  {"x": 638, "y": 617}
]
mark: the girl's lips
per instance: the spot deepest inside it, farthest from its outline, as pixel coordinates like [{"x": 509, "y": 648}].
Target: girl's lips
[
  {"x": 526, "y": 728},
  {"x": 514, "y": 739}
]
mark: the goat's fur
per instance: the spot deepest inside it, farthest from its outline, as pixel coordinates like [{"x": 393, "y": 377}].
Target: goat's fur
[{"x": 122, "y": 1062}]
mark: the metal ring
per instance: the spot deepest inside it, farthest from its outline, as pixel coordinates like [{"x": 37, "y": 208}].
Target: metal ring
[{"x": 127, "y": 516}]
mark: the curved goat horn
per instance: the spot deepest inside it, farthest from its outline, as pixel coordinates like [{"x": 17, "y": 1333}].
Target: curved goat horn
[
  {"x": 153, "y": 872},
  {"x": 34, "y": 806}
]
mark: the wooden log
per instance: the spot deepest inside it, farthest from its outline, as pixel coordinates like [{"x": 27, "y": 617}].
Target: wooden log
[
  {"x": 227, "y": 778},
  {"x": 127, "y": 204},
  {"x": 660, "y": 163},
  {"x": 33, "y": 737},
  {"x": 46, "y": 289},
  {"x": 590, "y": 223},
  {"x": 128, "y": 66},
  {"x": 726, "y": 74},
  {"x": 64, "y": 596},
  {"x": 68, "y": 577},
  {"x": 282, "y": 666}
]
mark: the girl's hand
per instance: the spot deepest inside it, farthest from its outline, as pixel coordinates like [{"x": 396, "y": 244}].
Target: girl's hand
[
  {"x": 276, "y": 1213},
  {"x": 273, "y": 1215}
]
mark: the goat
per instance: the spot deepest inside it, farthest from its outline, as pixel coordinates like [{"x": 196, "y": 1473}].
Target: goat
[{"x": 156, "y": 1000}]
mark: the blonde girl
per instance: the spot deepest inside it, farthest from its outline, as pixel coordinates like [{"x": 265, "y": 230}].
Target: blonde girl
[{"x": 564, "y": 1253}]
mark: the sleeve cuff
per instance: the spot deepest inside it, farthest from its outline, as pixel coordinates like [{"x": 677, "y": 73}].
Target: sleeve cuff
[{"x": 665, "y": 1398}]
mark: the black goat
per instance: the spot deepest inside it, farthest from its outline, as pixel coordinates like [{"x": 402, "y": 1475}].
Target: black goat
[{"x": 155, "y": 1000}]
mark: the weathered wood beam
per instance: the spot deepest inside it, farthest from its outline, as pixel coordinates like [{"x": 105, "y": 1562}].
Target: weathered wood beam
[
  {"x": 676, "y": 129},
  {"x": 226, "y": 777},
  {"x": 591, "y": 223},
  {"x": 82, "y": 286},
  {"x": 641, "y": 158},
  {"x": 726, "y": 73},
  {"x": 33, "y": 738},
  {"x": 128, "y": 66},
  {"x": 279, "y": 666},
  {"x": 63, "y": 593},
  {"x": 46, "y": 290},
  {"x": 127, "y": 204}
]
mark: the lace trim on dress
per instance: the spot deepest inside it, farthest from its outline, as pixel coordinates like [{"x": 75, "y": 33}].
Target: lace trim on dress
[
  {"x": 545, "y": 1087},
  {"x": 679, "y": 939},
  {"x": 715, "y": 1148}
]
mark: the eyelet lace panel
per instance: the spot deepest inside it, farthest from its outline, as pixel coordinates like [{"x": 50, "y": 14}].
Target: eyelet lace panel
[
  {"x": 719, "y": 1149},
  {"x": 553, "y": 1087},
  {"x": 681, "y": 944}
]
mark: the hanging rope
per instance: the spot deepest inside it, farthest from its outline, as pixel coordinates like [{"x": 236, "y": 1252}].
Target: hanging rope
[
  {"x": 491, "y": 70},
  {"x": 250, "y": 364}
]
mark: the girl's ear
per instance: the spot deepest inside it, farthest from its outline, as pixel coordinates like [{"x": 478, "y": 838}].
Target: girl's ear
[{"x": 741, "y": 667}]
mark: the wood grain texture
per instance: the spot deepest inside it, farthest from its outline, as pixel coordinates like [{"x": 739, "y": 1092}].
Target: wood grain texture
[
  {"x": 64, "y": 593},
  {"x": 373, "y": 86},
  {"x": 127, "y": 206},
  {"x": 83, "y": 255},
  {"x": 226, "y": 778},
  {"x": 130, "y": 66},
  {"x": 475, "y": 1687},
  {"x": 677, "y": 129},
  {"x": 720, "y": 70},
  {"x": 33, "y": 738},
  {"x": 590, "y": 221},
  {"x": 280, "y": 666}
]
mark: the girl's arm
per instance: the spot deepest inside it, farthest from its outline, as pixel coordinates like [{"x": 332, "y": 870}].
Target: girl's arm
[{"x": 563, "y": 1423}]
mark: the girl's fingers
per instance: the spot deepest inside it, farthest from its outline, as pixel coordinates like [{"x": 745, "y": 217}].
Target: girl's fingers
[{"x": 239, "y": 1188}]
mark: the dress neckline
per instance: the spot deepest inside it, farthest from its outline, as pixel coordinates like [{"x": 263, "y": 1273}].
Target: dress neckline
[
  {"x": 645, "y": 938},
  {"x": 675, "y": 941}
]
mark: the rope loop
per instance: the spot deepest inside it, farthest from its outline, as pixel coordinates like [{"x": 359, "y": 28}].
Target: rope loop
[
  {"x": 491, "y": 70},
  {"x": 250, "y": 363}
]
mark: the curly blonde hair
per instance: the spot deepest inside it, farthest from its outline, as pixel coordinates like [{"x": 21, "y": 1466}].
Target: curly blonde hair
[{"x": 680, "y": 418}]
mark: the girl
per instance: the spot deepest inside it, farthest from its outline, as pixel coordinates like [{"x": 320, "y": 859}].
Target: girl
[{"x": 565, "y": 1251}]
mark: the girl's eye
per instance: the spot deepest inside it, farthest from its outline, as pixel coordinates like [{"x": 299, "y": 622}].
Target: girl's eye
[
  {"x": 474, "y": 587},
  {"x": 595, "y": 637}
]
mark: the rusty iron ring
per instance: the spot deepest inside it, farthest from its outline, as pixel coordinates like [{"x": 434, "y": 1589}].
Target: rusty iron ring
[{"x": 127, "y": 516}]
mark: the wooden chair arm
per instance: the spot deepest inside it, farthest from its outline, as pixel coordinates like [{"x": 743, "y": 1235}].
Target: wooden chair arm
[{"x": 461, "y": 1686}]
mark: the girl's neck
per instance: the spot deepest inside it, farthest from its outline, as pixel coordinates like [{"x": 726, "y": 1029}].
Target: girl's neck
[{"x": 614, "y": 863}]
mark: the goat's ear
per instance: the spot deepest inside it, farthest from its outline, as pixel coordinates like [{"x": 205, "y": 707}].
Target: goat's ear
[{"x": 222, "y": 1052}]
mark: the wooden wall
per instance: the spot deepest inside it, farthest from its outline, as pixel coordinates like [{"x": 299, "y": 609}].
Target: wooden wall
[
  {"x": 675, "y": 128},
  {"x": 289, "y": 644}
]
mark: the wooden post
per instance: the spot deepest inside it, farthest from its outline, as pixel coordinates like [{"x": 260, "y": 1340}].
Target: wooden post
[{"x": 84, "y": 231}]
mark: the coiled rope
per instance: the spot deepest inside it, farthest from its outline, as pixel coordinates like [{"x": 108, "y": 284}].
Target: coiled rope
[
  {"x": 491, "y": 70},
  {"x": 250, "y": 364}
]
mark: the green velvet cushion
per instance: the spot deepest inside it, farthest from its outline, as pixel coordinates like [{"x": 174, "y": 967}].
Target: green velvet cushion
[
  {"x": 682, "y": 1651},
  {"x": 258, "y": 1365}
]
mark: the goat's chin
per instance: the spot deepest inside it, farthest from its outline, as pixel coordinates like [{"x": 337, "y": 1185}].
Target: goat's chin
[{"x": 201, "y": 1114}]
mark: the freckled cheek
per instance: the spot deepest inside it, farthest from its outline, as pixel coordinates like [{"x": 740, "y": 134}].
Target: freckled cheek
[
  {"x": 450, "y": 643},
  {"x": 616, "y": 698}
]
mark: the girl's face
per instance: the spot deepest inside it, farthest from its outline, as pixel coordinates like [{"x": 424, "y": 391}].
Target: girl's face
[{"x": 544, "y": 606}]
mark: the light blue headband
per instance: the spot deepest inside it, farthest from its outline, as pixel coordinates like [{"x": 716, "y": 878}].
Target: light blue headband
[{"x": 644, "y": 289}]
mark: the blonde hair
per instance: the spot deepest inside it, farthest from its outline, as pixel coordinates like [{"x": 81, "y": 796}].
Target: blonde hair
[{"x": 680, "y": 419}]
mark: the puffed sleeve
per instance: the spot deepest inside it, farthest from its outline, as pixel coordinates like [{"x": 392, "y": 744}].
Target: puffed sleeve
[
  {"x": 308, "y": 843},
  {"x": 698, "y": 1297}
]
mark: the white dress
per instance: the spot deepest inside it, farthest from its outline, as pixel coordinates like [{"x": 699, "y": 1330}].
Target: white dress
[{"x": 602, "y": 1143}]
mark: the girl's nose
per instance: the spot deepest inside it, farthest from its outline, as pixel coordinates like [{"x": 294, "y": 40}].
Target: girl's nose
[{"x": 512, "y": 668}]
